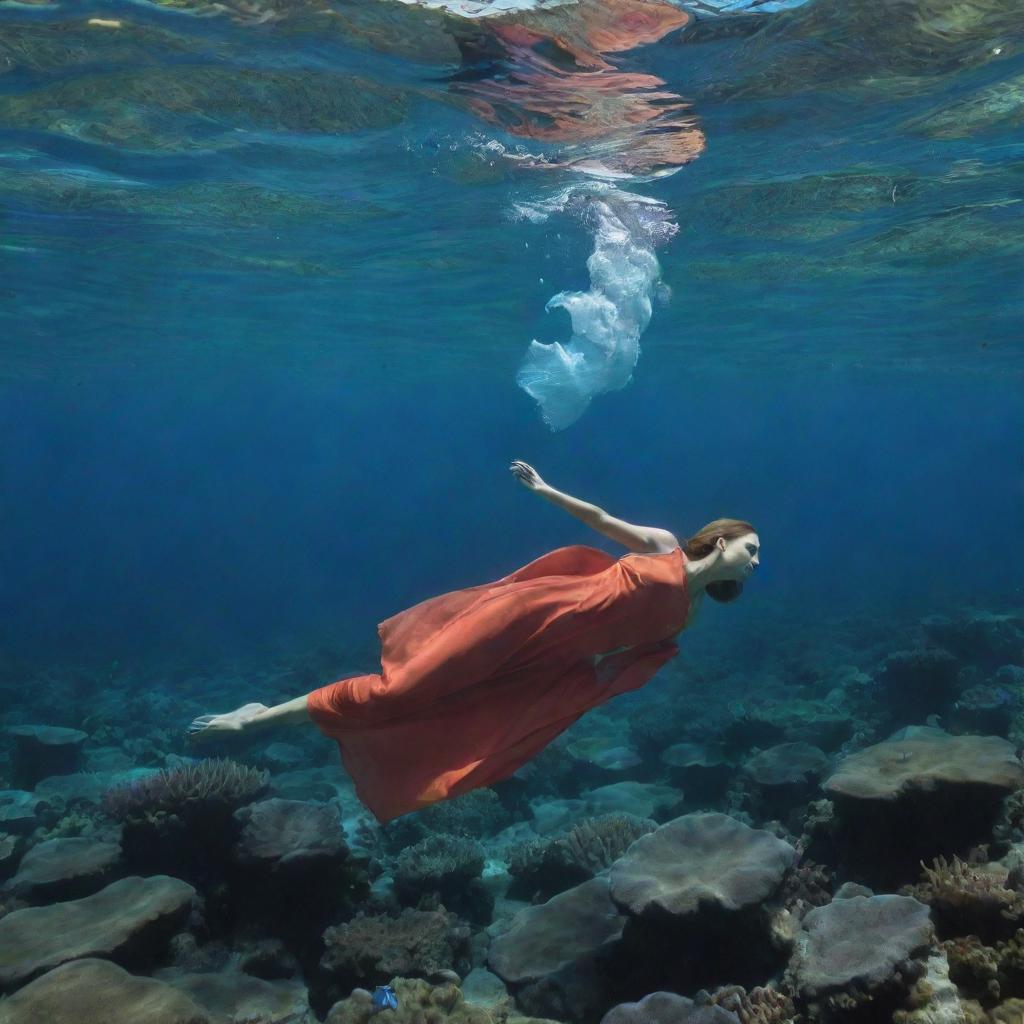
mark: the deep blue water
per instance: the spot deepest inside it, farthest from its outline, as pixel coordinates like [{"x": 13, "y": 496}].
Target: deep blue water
[
  {"x": 219, "y": 514},
  {"x": 258, "y": 362}
]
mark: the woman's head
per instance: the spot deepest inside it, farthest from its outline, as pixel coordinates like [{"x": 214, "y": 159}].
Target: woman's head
[{"x": 736, "y": 550}]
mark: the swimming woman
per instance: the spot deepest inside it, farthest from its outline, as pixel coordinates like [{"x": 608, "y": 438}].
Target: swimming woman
[{"x": 475, "y": 682}]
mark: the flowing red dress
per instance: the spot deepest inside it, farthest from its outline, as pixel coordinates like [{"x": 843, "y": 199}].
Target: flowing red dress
[{"x": 475, "y": 682}]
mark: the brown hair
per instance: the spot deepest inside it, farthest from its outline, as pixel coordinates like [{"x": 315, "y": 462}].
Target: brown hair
[{"x": 702, "y": 543}]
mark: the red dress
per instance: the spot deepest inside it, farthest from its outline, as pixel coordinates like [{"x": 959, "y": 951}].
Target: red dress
[{"x": 475, "y": 682}]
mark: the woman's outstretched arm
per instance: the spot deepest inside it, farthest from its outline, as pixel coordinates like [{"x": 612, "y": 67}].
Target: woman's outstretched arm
[{"x": 636, "y": 538}]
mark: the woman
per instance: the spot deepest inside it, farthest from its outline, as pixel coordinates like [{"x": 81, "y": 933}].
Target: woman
[{"x": 473, "y": 683}]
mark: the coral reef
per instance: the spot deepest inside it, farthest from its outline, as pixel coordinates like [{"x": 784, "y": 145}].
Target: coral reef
[
  {"x": 422, "y": 1003},
  {"x": 668, "y": 1008},
  {"x": 215, "y": 781},
  {"x": 917, "y": 683},
  {"x": 543, "y": 867},
  {"x": 129, "y": 921},
  {"x": 474, "y": 815},
  {"x": 94, "y": 991},
  {"x": 761, "y": 1005},
  {"x": 916, "y": 797},
  {"x": 371, "y": 949},
  {"x": 445, "y": 868},
  {"x": 556, "y": 956},
  {"x": 986, "y": 639},
  {"x": 969, "y": 899},
  {"x": 697, "y": 892},
  {"x": 700, "y": 770},
  {"x": 860, "y": 951}
]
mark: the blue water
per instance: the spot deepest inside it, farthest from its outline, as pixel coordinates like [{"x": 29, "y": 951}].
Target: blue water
[
  {"x": 249, "y": 370},
  {"x": 271, "y": 273}
]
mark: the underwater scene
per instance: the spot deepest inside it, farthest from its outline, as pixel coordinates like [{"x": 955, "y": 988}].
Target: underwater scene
[{"x": 512, "y": 511}]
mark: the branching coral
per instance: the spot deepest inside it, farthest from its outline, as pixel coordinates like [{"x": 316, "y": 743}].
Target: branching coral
[
  {"x": 989, "y": 974},
  {"x": 371, "y": 949},
  {"x": 758, "y": 1006},
  {"x": 418, "y": 1003},
  {"x": 806, "y": 885},
  {"x": 445, "y": 868},
  {"x": 969, "y": 898},
  {"x": 474, "y": 814},
  {"x": 180, "y": 821},
  {"x": 547, "y": 866},
  {"x": 973, "y": 967},
  {"x": 220, "y": 781},
  {"x": 439, "y": 862}
]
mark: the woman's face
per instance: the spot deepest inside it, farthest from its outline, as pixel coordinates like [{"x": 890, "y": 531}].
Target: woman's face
[{"x": 741, "y": 556}]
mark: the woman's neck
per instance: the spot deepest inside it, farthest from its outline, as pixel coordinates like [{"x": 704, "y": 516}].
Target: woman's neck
[{"x": 699, "y": 573}]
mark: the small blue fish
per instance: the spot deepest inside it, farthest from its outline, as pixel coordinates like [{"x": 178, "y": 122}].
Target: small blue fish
[{"x": 384, "y": 998}]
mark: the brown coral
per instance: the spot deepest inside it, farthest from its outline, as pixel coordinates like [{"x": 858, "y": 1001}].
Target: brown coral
[
  {"x": 973, "y": 967},
  {"x": 418, "y": 1003},
  {"x": 760, "y": 1005},
  {"x": 969, "y": 899},
  {"x": 373, "y": 948},
  {"x": 547, "y": 866},
  {"x": 807, "y": 884},
  {"x": 219, "y": 780}
]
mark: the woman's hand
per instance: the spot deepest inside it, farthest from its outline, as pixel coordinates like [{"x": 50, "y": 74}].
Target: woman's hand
[{"x": 527, "y": 475}]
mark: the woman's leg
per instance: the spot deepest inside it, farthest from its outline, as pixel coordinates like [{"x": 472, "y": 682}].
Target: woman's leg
[{"x": 249, "y": 717}]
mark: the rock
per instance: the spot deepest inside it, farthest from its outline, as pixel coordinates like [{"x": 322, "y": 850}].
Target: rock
[
  {"x": 282, "y": 757},
  {"x": 235, "y": 996},
  {"x": 11, "y": 848},
  {"x": 65, "y": 869},
  {"x": 483, "y": 988},
  {"x": 861, "y": 948},
  {"x": 107, "y": 759},
  {"x": 908, "y": 800},
  {"x": 668, "y": 1008},
  {"x": 88, "y": 787},
  {"x": 44, "y": 750},
  {"x": 552, "y": 955},
  {"x": 279, "y": 834},
  {"x": 20, "y": 811},
  {"x": 295, "y": 873},
  {"x": 918, "y": 682},
  {"x": 93, "y": 991},
  {"x": 128, "y": 921}
]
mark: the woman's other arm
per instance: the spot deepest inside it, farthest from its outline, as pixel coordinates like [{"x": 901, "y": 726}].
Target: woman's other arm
[{"x": 647, "y": 539}]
